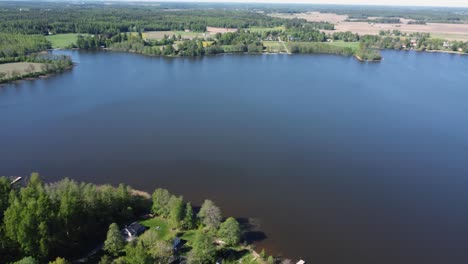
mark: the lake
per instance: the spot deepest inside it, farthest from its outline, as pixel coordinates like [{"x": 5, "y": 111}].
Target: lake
[{"x": 335, "y": 160}]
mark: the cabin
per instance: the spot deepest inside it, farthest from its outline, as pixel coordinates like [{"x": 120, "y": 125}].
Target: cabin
[{"x": 132, "y": 231}]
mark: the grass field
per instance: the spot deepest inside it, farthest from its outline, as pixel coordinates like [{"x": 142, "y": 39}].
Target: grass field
[
  {"x": 263, "y": 29},
  {"x": 353, "y": 45},
  {"x": 156, "y": 35},
  {"x": 62, "y": 41},
  {"x": 8, "y": 70},
  {"x": 273, "y": 46},
  {"x": 164, "y": 231}
]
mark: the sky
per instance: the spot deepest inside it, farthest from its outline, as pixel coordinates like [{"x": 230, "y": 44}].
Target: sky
[{"x": 448, "y": 3}]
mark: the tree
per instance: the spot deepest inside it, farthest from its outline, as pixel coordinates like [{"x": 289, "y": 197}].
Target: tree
[
  {"x": 29, "y": 218},
  {"x": 27, "y": 260},
  {"x": 161, "y": 199},
  {"x": 230, "y": 232},
  {"x": 136, "y": 253},
  {"x": 5, "y": 189},
  {"x": 176, "y": 210},
  {"x": 271, "y": 260},
  {"x": 203, "y": 250},
  {"x": 114, "y": 242},
  {"x": 105, "y": 260},
  {"x": 188, "y": 219},
  {"x": 158, "y": 249},
  {"x": 59, "y": 260},
  {"x": 210, "y": 214}
]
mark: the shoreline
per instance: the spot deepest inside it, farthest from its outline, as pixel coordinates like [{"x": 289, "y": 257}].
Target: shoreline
[{"x": 35, "y": 76}]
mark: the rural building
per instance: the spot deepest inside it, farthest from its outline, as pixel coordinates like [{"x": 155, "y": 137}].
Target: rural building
[{"x": 132, "y": 231}]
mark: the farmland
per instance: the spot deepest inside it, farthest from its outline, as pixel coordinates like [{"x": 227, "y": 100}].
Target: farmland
[
  {"x": 439, "y": 30},
  {"x": 18, "y": 69}
]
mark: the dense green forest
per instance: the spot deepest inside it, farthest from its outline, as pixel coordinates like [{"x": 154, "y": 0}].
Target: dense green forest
[
  {"x": 45, "y": 18},
  {"x": 65, "y": 220},
  {"x": 18, "y": 45},
  {"x": 59, "y": 219}
]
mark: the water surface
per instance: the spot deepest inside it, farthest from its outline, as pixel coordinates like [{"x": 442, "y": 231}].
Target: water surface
[{"x": 339, "y": 161}]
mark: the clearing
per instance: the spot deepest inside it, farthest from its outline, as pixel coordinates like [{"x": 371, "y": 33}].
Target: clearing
[
  {"x": 62, "y": 41},
  {"x": 161, "y": 226},
  {"x": 156, "y": 35},
  {"x": 263, "y": 29},
  {"x": 211, "y": 31},
  {"x": 274, "y": 46},
  {"x": 17, "y": 69}
]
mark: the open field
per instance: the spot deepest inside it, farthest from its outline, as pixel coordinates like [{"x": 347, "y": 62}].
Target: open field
[
  {"x": 263, "y": 29},
  {"x": 61, "y": 41},
  {"x": 342, "y": 44},
  {"x": 155, "y": 35},
  {"x": 17, "y": 69},
  {"x": 214, "y": 30},
  {"x": 439, "y": 30}
]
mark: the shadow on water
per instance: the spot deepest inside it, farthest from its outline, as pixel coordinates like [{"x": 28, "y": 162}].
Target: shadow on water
[{"x": 252, "y": 233}]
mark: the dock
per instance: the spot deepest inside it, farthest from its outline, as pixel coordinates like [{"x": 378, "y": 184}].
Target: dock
[{"x": 17, "y": 179}]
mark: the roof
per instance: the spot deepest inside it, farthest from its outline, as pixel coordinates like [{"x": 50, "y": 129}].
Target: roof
[
  {"x": 300, "y": 262},
  {"x": 135, "y": 228},
  {"x": 176, "y": 242}
]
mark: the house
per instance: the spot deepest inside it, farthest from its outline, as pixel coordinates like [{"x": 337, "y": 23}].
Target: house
[
  {"x": 447, "y": 44},
  {"x": 132, "y": 231}
]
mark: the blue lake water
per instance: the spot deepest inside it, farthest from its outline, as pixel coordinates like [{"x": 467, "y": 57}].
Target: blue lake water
[{"x": 337, "y": 161}]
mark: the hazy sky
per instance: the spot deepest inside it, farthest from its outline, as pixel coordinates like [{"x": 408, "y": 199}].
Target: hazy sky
[{"x": 460, "y": 3}]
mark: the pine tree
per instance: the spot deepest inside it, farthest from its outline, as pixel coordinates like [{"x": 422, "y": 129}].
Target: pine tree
[
  {"x": 114, "y": 242},
  {"x": 188, "y": 219}
]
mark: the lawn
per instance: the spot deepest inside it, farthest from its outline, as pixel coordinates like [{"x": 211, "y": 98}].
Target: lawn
[
  {"x": 164, "y": 231},
  {"x": 263, "y": 29},
  {"x": 62, "y": 41}
]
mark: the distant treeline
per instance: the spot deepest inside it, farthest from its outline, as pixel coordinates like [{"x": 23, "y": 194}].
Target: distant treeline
[{"x": 104, "y": 19}]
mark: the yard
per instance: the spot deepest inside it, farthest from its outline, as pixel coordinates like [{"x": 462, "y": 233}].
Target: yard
[
  {"x": 62, "y": 41},
  {"x": 161, "y": 226}
]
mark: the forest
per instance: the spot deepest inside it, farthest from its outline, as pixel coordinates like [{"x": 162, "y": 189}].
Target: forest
[{"x": 62, "y": 221}]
